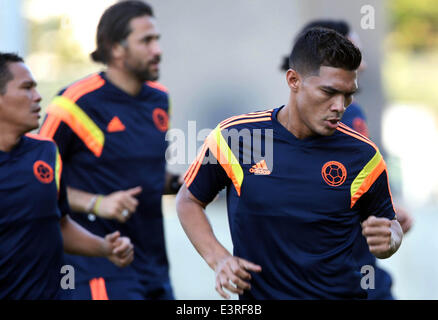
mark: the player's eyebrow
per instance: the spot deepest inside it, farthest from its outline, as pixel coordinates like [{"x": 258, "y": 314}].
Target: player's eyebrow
[
  {"x": 336, "y": 91},
  {"x": 150, "y": 37},
  {"x": 30, "y": 83}
]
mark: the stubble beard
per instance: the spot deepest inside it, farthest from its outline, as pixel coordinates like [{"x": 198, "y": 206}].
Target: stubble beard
[
  {"x": 145, "y": 74},
  {"x": 142, "y": 73}
]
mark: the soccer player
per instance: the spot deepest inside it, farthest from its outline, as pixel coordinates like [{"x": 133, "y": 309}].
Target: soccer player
[
  {"x": 110, "y": 128},
  {"x": 298, "y": 184},
  {"x": 35, "y": 226},
  {"x": 354, "y": 117}
]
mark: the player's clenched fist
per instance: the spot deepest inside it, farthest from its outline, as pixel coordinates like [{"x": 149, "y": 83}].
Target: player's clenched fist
[
  {"x": 118, "y": 205},
  {"x": 120, "y": 249},
  {"x": 383, "y": 236}
]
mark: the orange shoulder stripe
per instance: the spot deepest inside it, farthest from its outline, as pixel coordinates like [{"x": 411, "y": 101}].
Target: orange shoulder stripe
[
  {"x": 224, "y": 123},
  {"x": 247, "y": 115},
  {"x": 359, "y": 137},
  {"x": 368, "y": 182},
  {"x": 50, "y": 126},
  {"x": 246, "y": 121},
  {"x": 38, "y": 137},
  {"x": 84, "y": 86},
  {"x": 157, "y": 85},
  {"x": 263, "y": 111},
  {"x": 217, "y": 152},
  {"x": 344, "y": 126},
  {"x": 200, "y": 155},
  {"x": 80, "y": 129},
  {"x": 194, "y": 168},
  {"x": 189, "y": 171}
]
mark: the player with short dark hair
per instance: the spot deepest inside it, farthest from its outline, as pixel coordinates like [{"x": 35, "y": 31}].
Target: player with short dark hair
[
  {"x": 315, "y": 49},
  {"x": 354, "y": 117},
  {"x": 5, "y": 73},
  {"x": 296, "y": 188},
  {"x": 110, "y": 128},
  {"x": 35, "y": 227}
]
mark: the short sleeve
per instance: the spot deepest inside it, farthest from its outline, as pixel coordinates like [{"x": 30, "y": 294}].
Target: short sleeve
[
  {"x": 206, "y": 178},
  {"x": 377, "y": 201},
  {"x": 54, "y": 128}
]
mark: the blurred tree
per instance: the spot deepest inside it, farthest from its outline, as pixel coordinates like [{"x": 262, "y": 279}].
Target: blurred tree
[
  {"x": 414, "y": 24},
  {"x": 55, "y": 56},
  {"x": 411, "y": 55},
  {"x": 55, "y": 36}
]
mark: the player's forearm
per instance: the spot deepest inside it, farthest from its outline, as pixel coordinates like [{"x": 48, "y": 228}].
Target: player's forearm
[
  {"x": 81, "y": 201},
  {"x": 396, "y": 240},
  {"x": 80, "y": 241},
  {"x": 199, "y": 231}
]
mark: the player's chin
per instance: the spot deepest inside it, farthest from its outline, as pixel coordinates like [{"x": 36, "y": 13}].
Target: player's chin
[
  {"x": 147, "y": 75},
  {"x": 154, "y": 75},
  {"x": 152, "y": 71},
  {"x": 32, "y": 125},
  {"x": 327, "y": 131}
]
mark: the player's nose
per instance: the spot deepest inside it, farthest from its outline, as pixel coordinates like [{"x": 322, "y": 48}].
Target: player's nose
[
  {"x": 338, "y": 105},
  {"x": 156, "y": 49},
  {"x": 36, "y": 96}
]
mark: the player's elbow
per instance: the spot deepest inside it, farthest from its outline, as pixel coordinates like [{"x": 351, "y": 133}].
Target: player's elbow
[
  {"x": 182, "y": 202},
  {"x": 179, "y": 201},
  {"x": 186, "y": 203}
]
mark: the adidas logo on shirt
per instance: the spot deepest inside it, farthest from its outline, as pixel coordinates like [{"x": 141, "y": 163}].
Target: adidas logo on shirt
[
  {"x": 115, "y": 125},
  {"x": 260, "y": 168}
]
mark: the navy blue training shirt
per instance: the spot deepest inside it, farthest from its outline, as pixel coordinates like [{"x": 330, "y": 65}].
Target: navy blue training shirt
[
  {"x": 32, "y": 199},
  {"x": 111, "y": 141},
  {"x": 294, "y": 206}
]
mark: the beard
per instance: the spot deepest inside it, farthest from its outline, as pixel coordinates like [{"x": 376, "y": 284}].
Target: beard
[{"x": 143, "y": 73}]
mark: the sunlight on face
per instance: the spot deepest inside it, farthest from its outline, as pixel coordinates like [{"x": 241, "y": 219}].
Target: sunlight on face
[
  {"x": 20, "y": 104},
  {"x": 322, "y": 99}
]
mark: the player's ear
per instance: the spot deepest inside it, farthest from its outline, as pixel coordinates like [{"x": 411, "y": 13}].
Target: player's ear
[
  {"x": 293, "y": 79},
  {"x": 117, "y": 51}
]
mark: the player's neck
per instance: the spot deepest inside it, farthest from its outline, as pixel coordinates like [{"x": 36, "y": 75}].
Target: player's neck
[
  {"x": 289, "y": 118},
  {"x": 123, "y": 81},
  {"x": 8, "y": 139}
]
